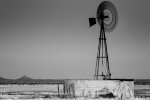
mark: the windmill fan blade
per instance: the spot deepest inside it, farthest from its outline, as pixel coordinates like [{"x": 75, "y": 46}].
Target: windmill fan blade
[
  {"x": 109, "y": 10},
  {"x": 92, "y": 21}
]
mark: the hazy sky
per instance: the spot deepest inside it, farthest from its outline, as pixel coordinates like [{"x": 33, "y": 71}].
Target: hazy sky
[{"x": 52, "y": 39}]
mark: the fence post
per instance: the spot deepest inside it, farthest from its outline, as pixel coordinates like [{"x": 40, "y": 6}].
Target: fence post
[
  {"x": 64, "y": 89},
  {"x": 58, "y": 89}
]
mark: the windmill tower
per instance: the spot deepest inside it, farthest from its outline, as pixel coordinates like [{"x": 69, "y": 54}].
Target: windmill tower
[{"x": 107, "y": 18}]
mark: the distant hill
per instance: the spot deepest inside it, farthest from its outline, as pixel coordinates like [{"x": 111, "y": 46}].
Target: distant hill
[
  {"x": 27, "y": 80},
  {"x": 24, "y": 79},
  {"x": 142, "y": 81},
  {"x": 4, "y": 81}
]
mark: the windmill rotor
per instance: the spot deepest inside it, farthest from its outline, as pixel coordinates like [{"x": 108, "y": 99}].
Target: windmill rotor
[{"x": 106, "y": 8}]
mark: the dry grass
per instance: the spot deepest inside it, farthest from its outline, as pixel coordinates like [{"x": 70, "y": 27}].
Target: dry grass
[
  {"x": 7, "y": 97},
  {"x": 29, "y": 88}
]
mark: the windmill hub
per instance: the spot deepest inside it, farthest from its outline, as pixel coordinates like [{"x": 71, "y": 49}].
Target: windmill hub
[{"x": 104, "y": 16}]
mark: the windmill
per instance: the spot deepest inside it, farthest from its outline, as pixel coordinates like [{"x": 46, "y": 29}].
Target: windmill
[{"x": 107, "y": 18}]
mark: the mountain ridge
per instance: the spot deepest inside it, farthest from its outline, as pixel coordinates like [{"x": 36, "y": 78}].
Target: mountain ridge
[{"x": 27, "y": 80}]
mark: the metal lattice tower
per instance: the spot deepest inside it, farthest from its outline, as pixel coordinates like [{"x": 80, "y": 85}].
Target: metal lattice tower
[{"x": 102, "y": 61}]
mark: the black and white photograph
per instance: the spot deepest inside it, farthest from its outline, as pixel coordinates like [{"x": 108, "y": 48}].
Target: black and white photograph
[{"x": 74, "y": 49}]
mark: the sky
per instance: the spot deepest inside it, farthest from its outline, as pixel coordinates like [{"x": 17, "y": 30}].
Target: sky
[{"x": 51, "y": 39}]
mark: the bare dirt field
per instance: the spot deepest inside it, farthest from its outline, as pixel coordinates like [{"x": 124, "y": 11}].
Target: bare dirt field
[{"x": 29, "y": 91}]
